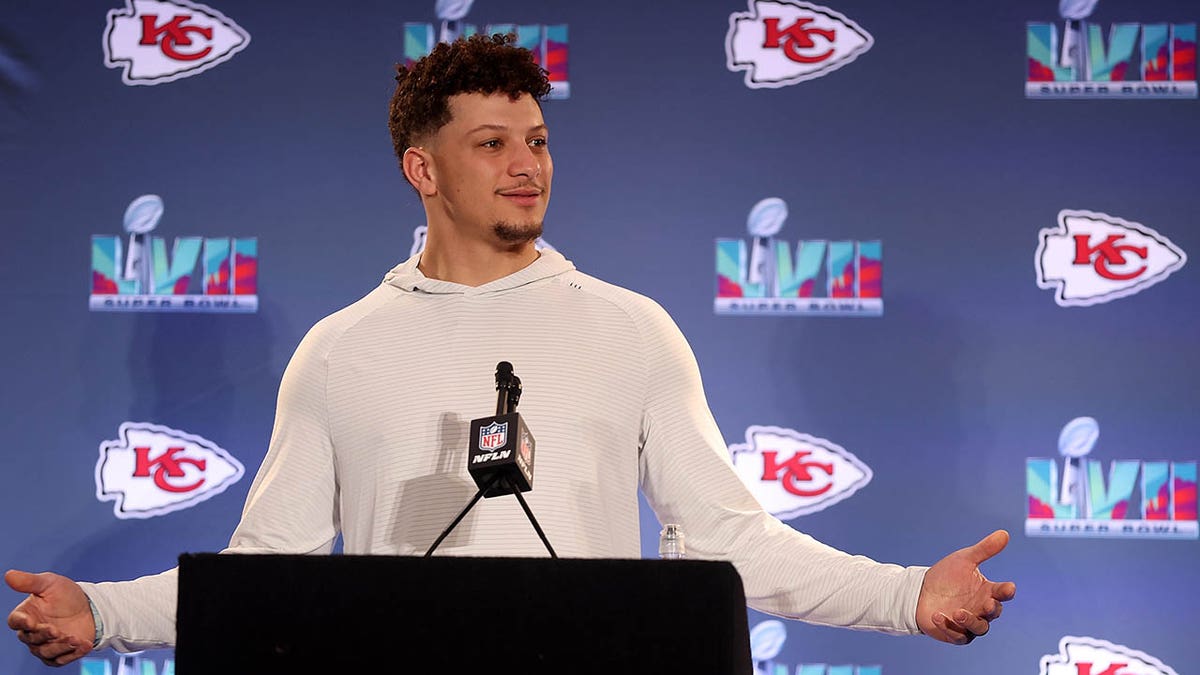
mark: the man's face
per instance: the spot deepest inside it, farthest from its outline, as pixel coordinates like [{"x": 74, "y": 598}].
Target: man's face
[{"x": 492, "y": 167}]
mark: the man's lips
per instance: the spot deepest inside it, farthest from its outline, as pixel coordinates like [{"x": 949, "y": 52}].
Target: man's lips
[{"x": 525, "y": 196}]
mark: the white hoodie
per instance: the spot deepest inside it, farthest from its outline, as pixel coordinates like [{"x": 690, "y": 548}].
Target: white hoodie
[{"x": 370, "y": 440}]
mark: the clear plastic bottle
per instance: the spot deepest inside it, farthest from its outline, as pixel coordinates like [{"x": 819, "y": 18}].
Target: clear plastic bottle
[{"x": 670, "y": 543}]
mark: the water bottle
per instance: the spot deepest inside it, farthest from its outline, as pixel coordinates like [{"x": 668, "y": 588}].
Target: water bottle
[{"x": 670, "y": 543}]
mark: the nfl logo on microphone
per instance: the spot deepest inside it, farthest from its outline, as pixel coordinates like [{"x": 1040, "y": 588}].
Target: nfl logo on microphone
[{"x": 493, "y": 436}]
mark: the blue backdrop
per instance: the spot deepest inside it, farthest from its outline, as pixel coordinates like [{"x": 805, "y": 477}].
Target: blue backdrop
[{"x": 945, "y": 347}]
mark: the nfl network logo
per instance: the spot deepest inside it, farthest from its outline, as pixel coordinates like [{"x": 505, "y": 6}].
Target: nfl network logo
[
  {"x": 824, "y": 278},
  {"x": 547, "y": 43},
  {"x": 493, "y": 436},
  {"x": 145, "y": 278},
  {"x": 1079, "y": 501},
  {"x": 158, "y": 41},
  {"x": 1082, "y": 62}
]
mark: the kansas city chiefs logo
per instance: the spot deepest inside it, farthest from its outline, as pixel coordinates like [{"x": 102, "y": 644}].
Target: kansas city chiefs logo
[
  {"x": 782, "y": 42},
  {"x": 1092, "y": 258},
  {"x": 150, "y": 470},
  {"x": 1089, "y": 656},
  {"x": 792, "y": 474},
  {"x": 158, "y": 41}
]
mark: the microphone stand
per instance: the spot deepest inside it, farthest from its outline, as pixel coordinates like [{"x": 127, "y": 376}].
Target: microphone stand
[
  {"x": 508, "y": 387},
  {"x": 529, "y": 514}
]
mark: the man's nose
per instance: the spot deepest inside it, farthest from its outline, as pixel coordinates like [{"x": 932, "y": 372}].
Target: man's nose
[{"x": 525, "y": 163}]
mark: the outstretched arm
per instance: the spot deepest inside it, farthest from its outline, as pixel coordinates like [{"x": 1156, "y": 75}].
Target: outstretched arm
[
  {"x": 55, "y": 621},
  {"x": 957, "y": 603}
]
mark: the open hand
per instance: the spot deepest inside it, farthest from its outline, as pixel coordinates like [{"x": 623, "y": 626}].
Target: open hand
[
  {"x": 55, "y": 621},
  {"x": 957, "y": 603}
]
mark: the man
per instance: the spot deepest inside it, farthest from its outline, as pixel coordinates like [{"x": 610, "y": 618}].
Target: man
[{"x": 374, "y": 408}]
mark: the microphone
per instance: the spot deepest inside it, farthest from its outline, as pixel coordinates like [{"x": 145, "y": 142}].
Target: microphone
[
  {"x": 508, "y": 388},
  {"x": 501, "y": 447},
  {"x": 500, "y": 455}
]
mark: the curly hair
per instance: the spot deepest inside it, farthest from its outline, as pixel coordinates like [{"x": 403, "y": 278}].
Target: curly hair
[{"x": 478, "y": 64}]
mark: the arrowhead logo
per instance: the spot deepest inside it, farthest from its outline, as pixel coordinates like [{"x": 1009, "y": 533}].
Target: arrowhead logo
[
  {"x": 793, "y": 474},
  {"x": 1085, "y": 655},
  {"x": 158, "y": 41},
  {"x": 782, "y": 42},
  {"x": 1091, "y": 258},
  {"x": 151, "y": 470}
]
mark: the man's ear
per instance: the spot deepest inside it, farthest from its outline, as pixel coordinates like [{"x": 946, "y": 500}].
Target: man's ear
[{"x": 419, "y": 169}]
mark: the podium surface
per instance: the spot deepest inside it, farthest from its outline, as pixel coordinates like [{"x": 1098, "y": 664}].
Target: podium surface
[{"x": 381, "y": 614}]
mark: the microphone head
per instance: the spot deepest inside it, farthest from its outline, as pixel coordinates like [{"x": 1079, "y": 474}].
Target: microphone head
[
  {"x": 514, "y": 393},
  {"x": 504, "y": 374}
]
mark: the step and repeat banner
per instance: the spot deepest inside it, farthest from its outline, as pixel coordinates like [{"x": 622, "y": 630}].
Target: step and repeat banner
[{"x": 933, "y": 259}]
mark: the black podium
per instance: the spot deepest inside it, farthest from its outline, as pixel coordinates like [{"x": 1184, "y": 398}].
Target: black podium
[{"x": 266, "y": 614}]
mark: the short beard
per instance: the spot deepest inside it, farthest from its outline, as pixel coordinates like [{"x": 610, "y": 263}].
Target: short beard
[{"x": 517, "y": 233}]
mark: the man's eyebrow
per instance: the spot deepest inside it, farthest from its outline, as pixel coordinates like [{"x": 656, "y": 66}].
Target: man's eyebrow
[{"x": 542, "y": 128}]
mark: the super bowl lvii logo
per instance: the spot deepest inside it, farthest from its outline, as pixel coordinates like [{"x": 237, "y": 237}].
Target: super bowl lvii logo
[
  {"x": 1082, "y": 62},
  {"x": 766, "y": 643},
  {"x": 548, "y": 43},
  {"x": 144, "y": 278},
  {"x": 126, "y": 664},
  {"x": 1079, "y": 501},
  {"x": 824, "y": 278}
]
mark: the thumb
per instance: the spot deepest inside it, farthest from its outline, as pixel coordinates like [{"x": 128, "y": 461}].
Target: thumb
[
  {"x": 988, "y": 546},
  {"x": 25, "y": 582}
]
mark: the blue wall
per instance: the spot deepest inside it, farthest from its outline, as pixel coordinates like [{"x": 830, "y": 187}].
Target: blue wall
[{"x": 926, "y": 142}]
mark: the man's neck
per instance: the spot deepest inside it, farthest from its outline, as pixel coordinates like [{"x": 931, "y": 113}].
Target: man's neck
[{"x": 473, "y": 263}]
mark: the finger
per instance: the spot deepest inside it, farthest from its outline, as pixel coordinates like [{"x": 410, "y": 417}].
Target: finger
[
  {"x": 25, "y": 582},
  {"x": 40, "y": 634},
  {"x": 19, "y": 620},
  {"x": 53, "y": 650},
  {"x": 75, "y": 653},
  {"x": 971, "y": 623},
  {"x": 993, "y": 610},
  {"x": 988, "y": 546},
  {"x": 958, "y": 623},
  {"x": 950, "y": 630},
  {"x": 1004, "y": 591},
  {"x": 61, "y": 660}
]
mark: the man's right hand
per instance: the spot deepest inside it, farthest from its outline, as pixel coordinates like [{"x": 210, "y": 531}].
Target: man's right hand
[{"x": 55, "y": 621}]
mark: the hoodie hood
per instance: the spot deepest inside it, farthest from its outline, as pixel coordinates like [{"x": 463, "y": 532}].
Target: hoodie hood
[{"x": 408, "y": 278}]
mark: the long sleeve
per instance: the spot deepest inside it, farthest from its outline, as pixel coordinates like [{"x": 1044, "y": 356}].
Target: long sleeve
[
  {"x": 138, "y": 614},
  {"x": 687, "y": 477},
  {"x": 291, "y": 507}
]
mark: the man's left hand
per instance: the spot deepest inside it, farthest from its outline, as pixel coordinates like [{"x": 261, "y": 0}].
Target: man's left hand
[{"x": 957, "y": 603}]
